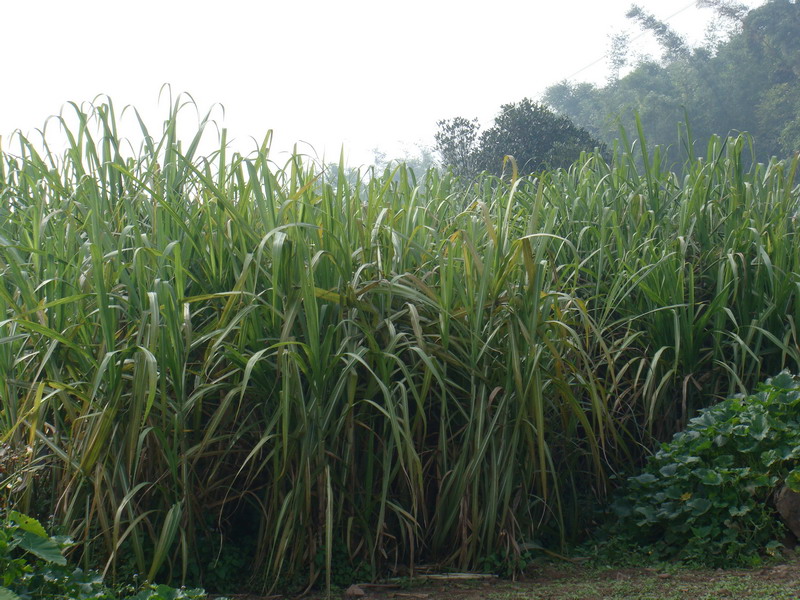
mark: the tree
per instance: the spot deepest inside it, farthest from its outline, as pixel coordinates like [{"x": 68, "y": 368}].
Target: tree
[
  {"x": 456, "y": 142},
  {"x": 533, "y": 134},
  {"x": 779, "y": 118},
  {"x": 618, "y": 55},
  {"x": 731, "y": 11},
  {"x": 773, "y": 35},
  {"x": 748, "y": 81},
  {"x": 420, "y": 160},
  {"x": 672, "y": 42}
]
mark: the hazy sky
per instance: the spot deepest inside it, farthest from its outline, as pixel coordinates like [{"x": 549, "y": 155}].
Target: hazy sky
[{"x": 353, "y": 72}]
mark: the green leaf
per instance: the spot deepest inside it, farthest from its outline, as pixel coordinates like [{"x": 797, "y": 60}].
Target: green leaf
[
  {"x": 793, "y": 480},
  {"x": 45, "y": 548},
  {"x": 710, "y": 477},
  {"x": 759, "y": 427},
  {"x": 706, "y": 419},
  {"x": 166, "y": 592},
  {"x": 782, "y": 381},
  {"x": 773, "y": 547},
  {"x": 648, "y": 512},
  {"x": 668, "y": 470},
  {"x": 699, "y": 506},
  {"x": 670, "y": 510},
  {"x": 27, "y": 523},
  {"x": 645, "y": 478},
  {"x": 720, "y": 440},
  {"x": 622, "y": 507},
  {"x": 769, "y": 458},
  {"x": 787, "y": 452},
  {"x": 674, "y": 492},
  {"x": 759, "y": 480},
  {"x": 724, "y": 461},
  {"x": 739, "y": 511},
  {"x": 702, "y": 532},
  {"x": 7, "y": 594}
]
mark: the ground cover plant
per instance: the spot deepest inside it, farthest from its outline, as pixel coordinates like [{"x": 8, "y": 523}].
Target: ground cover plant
[
  {"x": 206, "y": 352},
  {"x": 33, "y": 567},
  {"x": 705, "y": 497}
]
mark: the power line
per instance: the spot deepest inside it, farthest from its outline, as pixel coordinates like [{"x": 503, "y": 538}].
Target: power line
[{"x": 641, "y": 34}]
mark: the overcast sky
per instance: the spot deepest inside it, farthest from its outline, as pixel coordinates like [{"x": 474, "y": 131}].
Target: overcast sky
[{"x": 357, "y": 73}]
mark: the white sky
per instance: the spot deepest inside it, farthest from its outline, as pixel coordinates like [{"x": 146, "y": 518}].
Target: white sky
[{"x": 357, "y": 73}]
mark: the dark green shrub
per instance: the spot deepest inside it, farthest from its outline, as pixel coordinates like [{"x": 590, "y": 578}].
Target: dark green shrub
[
  {"x": 33, "y": 567},
  {"x": 705, "y": 496}
]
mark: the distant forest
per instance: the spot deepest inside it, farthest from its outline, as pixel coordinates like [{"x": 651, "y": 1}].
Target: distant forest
[{"x": 744, "y": 77}]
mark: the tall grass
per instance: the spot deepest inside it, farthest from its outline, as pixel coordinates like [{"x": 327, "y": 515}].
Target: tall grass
[{"x": 218, "y": 349}]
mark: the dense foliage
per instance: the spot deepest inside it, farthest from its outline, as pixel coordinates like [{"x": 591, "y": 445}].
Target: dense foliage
[
  {"x": 705, "y": 496},
  {"x": 531, "y": 133},
  {"x": 202, "y": 353},
  {"x": 749, "y": 81},
  {"x": 33, "y": 567}
]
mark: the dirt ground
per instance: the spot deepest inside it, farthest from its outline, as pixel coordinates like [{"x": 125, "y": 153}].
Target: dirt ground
[
  {"x": 781, "y": 581},
  {"x": 573, "y": 582}
]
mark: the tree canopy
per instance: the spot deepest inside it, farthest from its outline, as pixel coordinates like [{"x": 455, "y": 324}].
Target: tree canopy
[
  {"x": 534, "y": 135},
  {"x": 748, "y": 81}
]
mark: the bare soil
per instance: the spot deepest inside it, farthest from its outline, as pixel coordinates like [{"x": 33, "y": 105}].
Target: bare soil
[{"x": 574, "y": 582}]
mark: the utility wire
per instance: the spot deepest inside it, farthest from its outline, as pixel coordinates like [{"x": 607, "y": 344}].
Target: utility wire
[{"x": 633, "y": 39}]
